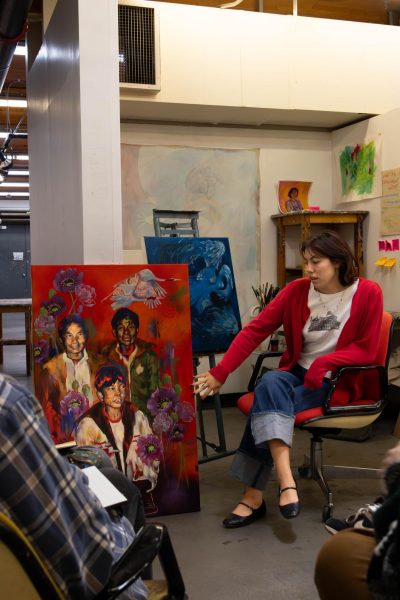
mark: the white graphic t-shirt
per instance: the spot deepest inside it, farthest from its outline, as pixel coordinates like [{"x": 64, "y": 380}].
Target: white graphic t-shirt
[{"x": 328, "y": 315}]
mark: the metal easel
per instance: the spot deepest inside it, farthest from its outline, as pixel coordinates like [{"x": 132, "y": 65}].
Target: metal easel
[{"x": 185, "y": 224}]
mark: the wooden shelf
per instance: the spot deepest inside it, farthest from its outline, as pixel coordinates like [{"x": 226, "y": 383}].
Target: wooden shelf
[{"x": 305, "y": 219}]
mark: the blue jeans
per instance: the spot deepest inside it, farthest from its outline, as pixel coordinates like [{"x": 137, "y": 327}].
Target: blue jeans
[{"x": 278, "y": 397}]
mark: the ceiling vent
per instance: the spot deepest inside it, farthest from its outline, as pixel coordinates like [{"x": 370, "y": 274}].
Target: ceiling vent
[{"x": 139, "y": 47}]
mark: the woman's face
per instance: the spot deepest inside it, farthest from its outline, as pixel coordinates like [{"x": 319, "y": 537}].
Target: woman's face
[{"x": 324, "y": 273}]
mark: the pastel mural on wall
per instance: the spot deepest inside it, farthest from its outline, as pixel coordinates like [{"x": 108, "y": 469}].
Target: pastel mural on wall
[
  {"x": 219, "y": 183},
  {"x": 113, "y": 371}
]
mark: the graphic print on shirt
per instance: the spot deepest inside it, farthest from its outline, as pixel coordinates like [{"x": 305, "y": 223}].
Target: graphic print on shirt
[{"x": 325, "y": 323}]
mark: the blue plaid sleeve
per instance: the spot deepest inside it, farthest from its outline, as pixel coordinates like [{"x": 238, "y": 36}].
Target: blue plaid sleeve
[{"x": 50, "y": 501}]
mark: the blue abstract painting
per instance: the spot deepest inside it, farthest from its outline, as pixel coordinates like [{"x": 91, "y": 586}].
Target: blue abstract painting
[{"x": 214, "y": 308}]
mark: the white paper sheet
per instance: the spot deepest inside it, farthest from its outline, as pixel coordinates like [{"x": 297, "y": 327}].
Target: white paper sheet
[{"x": 106, "y": 492}]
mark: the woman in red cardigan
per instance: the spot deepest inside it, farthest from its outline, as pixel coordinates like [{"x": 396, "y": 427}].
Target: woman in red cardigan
[{"x": 330, "y": 318}]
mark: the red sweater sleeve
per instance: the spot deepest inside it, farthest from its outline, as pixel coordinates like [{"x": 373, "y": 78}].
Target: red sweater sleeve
[
  {"x": 252, "y": 335},
  {"x": 357, "y": 344}
]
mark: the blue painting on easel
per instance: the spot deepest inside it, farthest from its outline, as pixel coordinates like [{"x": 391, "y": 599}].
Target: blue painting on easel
[{"x": 214, "y": 306}]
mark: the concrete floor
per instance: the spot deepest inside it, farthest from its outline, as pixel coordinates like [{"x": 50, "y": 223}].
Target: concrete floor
[{"x": 272, "y": 558}]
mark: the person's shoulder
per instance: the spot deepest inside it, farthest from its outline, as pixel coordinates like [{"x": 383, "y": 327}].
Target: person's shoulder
[
  {"x": 108, "y": 349},
  {"x": 368, "y": 285},
  {"x": 17, "y": 400},
  {"x": 303, "y": 283},
  {"x": 144, "y": 346}
]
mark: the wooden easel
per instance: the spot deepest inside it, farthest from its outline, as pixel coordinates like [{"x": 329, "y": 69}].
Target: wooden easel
[{"x": 185, "y": 224}]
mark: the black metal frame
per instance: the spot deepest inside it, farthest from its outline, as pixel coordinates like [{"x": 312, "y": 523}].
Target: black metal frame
[{"x": 153, "y": 540}]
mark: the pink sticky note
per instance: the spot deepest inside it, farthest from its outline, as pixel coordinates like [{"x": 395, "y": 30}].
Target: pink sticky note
[
  {"x": 381, "y": 246},
  {"x": 396, "y": 244},
  {"x": 388, "y": 245}
]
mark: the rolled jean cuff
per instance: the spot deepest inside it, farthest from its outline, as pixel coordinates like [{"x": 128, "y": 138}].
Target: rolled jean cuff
[
  {"x": 272, "y": 426},
  {"x": 250, "y": 471}
]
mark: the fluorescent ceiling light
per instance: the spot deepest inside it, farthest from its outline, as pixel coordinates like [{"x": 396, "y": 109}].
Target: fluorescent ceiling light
[
  {"x": 16, "y": 184},
  {"x": 13, "y": 103},
  {"x": 10, "y": 194},
  {"x": 18, "y": 172},
  {"x": 20, "y": 51}
]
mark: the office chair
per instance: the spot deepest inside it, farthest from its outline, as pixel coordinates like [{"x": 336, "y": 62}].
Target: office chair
[
  {"x": 24, "y": 575},
  {"x": 356, "y": 398}
]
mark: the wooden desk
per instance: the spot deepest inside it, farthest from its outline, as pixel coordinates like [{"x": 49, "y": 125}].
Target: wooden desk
[{"x": 21, "y": 305}]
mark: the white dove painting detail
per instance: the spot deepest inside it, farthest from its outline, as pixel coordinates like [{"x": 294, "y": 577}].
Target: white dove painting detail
[{"x": 143, "y": 286}]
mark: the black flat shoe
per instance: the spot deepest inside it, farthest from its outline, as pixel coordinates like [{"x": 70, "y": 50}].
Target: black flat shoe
[
  {"x": 232, "y": 520},
  {"x": 289, "y": 511}
]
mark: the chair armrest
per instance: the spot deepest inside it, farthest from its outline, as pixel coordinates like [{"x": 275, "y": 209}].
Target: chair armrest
[
  {"x": 257, "y": 367},
  {"x": 370, "y": 407},
  {"x": 152, "y": 540},
  {"x": 135, "y": 559}
]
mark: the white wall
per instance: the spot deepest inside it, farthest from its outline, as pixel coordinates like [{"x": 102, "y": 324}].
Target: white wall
[
  {"x": 74, "y": 142},
  {"x": 388, "y": 126},
  {"x": 236, "y": 58},
  {"x": 283, "y": 155}
]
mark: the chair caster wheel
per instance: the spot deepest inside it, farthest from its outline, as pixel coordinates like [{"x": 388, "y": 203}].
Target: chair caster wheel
[{"x": 326, "y": 512}]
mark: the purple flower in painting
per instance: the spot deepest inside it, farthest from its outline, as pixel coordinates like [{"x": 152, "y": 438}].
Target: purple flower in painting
[
  {"x": 74, "y": 403},
  {"x": 86, "y": 294},
  {"x": 185, "y": 412},
  {"x": 162, "y": 423},
  {"x": 149, "y": 449},
  {"x": 178, "y": 432},
  {"x": 66, "y": 280},
  {"x": 164, "y": 400},
  {"x": 55, "y": 306},
  {"x": 45, "y": 324},
  {"x": 41, "y": 352}
]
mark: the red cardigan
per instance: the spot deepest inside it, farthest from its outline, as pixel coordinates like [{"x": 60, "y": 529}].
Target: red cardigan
[{"x": 357, "y": 343}]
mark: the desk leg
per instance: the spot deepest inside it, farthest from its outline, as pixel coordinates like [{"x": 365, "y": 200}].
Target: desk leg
[
  {"x": 28, "y": 342},
  {"x": 1, "y": 337}
]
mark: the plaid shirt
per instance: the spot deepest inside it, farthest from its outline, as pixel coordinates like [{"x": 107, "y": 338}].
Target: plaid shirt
[{"x": 49, "y": 500}]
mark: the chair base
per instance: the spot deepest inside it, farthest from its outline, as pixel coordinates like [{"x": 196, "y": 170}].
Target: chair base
[{"x": 313, "y": 468}]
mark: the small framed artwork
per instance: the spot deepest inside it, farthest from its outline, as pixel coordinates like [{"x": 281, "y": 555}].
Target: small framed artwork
[{"x": 293, "y": 195}]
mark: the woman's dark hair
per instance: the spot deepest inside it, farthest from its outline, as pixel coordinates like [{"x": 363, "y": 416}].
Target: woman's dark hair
[
  {"x": 293, "y": 189},
  {"x": 77, "y": 319},
  {"x": 106, "y": 376},
  {"x": 332, "y": 246}
]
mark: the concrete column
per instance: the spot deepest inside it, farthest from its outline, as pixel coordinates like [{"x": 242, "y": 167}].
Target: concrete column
[{"x": 74, "y": 137}]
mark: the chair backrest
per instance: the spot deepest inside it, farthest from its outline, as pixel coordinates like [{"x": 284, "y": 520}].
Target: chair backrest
[
  {"x": 364, "y": 386},
  {"x": 22, "y": 573},
  {"x": 385, "y": 338}
]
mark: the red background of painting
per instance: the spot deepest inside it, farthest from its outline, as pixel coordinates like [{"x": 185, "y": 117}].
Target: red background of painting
[{"x": 173, "y": 320}]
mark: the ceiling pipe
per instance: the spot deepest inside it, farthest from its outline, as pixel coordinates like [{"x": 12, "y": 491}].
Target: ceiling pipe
[{"x": 13, "y": 15}]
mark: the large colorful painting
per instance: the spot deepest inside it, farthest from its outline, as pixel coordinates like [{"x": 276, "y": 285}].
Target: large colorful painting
[
  {"x": 220, "y": 183},
  {"x": 213, "y": 301},
  {"x": 113, "y": 370},
  {"x": 359, "y": 167}
]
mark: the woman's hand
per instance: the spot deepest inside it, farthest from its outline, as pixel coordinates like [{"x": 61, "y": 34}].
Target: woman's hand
[{"x": 205, "y": 384}]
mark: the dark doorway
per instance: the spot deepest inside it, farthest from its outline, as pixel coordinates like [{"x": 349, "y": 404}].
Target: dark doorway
[{"x": 15, "y": 260}]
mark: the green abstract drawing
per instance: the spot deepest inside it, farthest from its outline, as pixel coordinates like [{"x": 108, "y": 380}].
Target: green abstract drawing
[{"x": 358, "y": 168}]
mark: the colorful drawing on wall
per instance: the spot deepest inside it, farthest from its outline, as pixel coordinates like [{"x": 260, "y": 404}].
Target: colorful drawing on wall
[
  {"x": 220, "y": 183},
  {"x": 359, "y": 166},
  {"x": 213, "y": 301},
  {"x": 293, "y": 195},
  {"x": 113, "y": 370}
]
